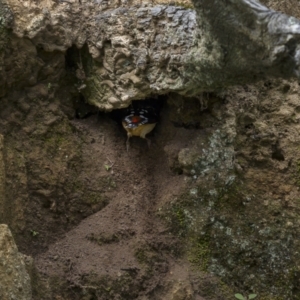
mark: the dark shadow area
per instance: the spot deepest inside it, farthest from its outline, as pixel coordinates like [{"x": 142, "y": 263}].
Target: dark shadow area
[
  {"x": 156, "y": 103},
  {"x": 277, "y": 153}
]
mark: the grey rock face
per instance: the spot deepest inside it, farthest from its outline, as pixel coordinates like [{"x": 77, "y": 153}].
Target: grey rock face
[
  {"x": 144, "y": 55},
  {"x": 134, "y": 51},
  {"x": 14, "y": 279}
]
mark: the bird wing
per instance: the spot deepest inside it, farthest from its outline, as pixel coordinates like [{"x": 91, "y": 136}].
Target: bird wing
[{"x": 139, "y": 117}]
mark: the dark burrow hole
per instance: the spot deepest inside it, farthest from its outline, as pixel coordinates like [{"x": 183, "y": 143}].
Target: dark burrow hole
[
  {"x": 154, "y": 104},
  {"x": 286, "y": 88},
  {"x": 185, "y": 112},
  {"x": 277, "y": 153},
  {"x": 268, "y": 84},
  {"x": 249, "y": 126},
  {"x": 84, "y": 110},
  {"x": 74, "y": 57},
  {"x": 149, "y": 109}
]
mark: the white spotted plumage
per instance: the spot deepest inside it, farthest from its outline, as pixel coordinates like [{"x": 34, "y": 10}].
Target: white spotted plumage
[{"x": 139, "y": 122}]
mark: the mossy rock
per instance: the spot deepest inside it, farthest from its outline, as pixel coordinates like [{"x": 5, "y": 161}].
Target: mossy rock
[{"x": 224, "y": 235}]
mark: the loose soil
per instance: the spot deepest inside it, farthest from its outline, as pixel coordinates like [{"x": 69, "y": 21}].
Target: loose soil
[{"x": 108, "y": 242}]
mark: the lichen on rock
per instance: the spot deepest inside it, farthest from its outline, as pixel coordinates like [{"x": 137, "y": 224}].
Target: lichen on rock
[{"x": 14, "y": 279}]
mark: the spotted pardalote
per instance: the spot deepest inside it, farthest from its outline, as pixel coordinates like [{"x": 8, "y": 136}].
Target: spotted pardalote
[{"x": 139, "y": 122}]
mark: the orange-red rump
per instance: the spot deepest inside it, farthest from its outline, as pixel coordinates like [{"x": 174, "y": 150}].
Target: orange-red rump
[{"x": 136, "y": 119}]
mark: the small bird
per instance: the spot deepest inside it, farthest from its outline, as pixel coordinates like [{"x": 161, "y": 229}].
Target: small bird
[{"x": 139, "y": 122}]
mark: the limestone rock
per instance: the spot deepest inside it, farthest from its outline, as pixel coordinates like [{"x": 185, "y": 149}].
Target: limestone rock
[
  {"x": 136, "y": 50},
  {"x": 14, "y": 279}
]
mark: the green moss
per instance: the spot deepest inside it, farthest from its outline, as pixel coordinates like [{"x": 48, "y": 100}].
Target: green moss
[
  {"x": 185, "y": 5},
  {"x": 58, "y": 137},
  {"x": 223, "y": 233},
  {"x": 147, "y": 259},
  {"x": 95, "y": 198},
  {"x": 199, "y": 253},
  {"x": 180, "y": 217},
  {"x": 4, "y": 36},
  {"x": 103, "y": 239},
  {"x": 147, "y": 256},
  {"x": 141, "y": 256}
]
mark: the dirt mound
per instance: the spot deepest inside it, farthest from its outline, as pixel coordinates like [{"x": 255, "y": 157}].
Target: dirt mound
[{"x": 126, "y": 240}]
